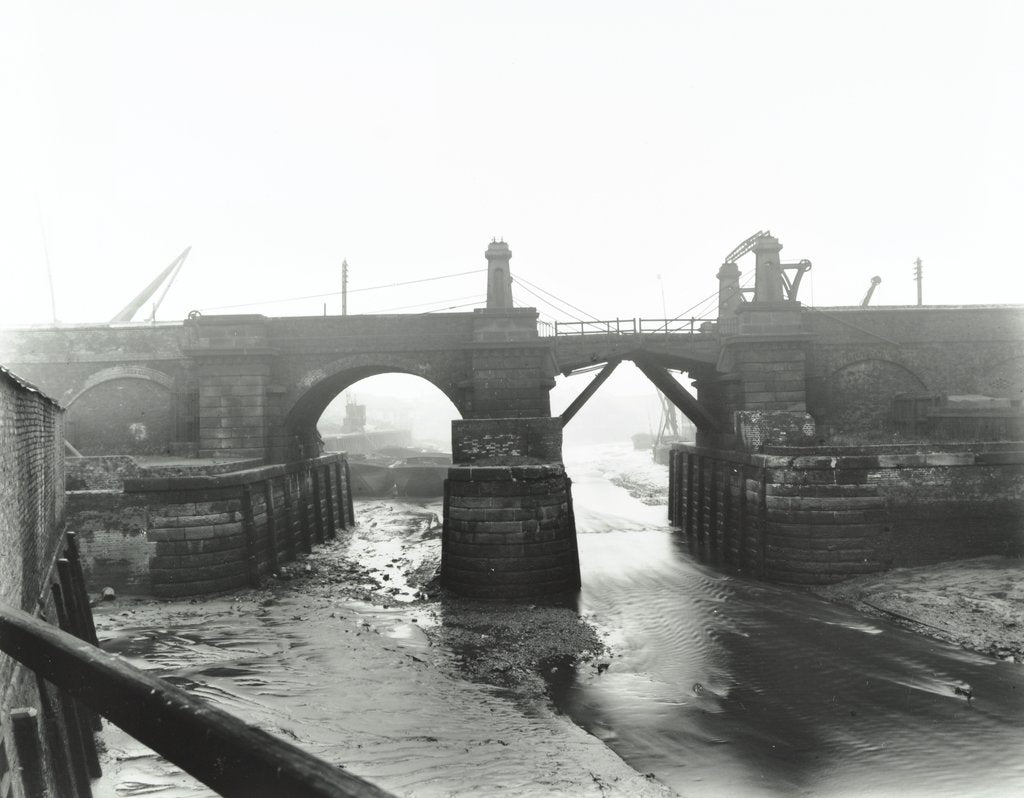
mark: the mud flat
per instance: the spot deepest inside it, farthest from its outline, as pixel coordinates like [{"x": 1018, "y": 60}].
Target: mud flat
[
  {"x": 977, "y": 604},
  {"x": 352, "y": 652}
]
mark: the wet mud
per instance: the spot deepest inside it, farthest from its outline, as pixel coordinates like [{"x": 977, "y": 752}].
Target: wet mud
[
  {"x": 976, "y": 604},
  {"x": 354, "y": 653},
  {"x": 663, "y": 676}
]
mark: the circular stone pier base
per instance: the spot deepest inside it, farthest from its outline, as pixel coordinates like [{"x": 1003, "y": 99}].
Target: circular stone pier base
[{"x": 509, "y": 532}]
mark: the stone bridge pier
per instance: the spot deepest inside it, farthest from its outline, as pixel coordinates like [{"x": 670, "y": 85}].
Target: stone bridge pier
[{"x": 509, "y": 530}]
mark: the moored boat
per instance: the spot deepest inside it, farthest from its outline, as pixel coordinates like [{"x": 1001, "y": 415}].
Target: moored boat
[
  {"x": 421, "y": 475},
  {"x": 371, "y": 476}
]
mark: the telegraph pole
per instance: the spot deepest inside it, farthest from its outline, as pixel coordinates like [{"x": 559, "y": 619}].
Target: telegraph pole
[
  {"x": 917, "y": 276},
  {"x": 344, "y": 287}
]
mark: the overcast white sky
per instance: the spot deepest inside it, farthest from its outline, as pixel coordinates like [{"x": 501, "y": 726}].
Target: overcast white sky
[{"x": 608, "y": 143}]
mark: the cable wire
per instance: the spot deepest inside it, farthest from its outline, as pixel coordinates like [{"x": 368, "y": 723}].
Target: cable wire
[
  {"x": 338, "y": 293},
  {"x": 475, "y": 297},
  {"x": 553, "y": 306},
  {"x": 475, "y": 303},
  {"x": 522, "y": 279}
]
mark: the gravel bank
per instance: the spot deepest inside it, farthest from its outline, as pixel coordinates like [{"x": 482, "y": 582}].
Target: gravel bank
[{"x": 977, "y": 604}]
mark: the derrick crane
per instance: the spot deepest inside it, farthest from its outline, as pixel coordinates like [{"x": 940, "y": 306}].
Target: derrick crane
[
  {"x": 791, "y": 285},
  {"x": 168, "y": 275}
]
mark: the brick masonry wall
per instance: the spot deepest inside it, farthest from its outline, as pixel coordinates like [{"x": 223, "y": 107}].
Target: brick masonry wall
[
  {"x": 861, "y": 358},
  {"x": 183, "y": 536},
  {"x": 31, "y": 489},
  {"x": 821, "y": 514},
  {"x": 31, "y": 539},
  {"x": 509, "y": 532}
]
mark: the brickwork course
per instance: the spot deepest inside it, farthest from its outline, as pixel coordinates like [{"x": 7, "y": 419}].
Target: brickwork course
[
  {"x": 819, "y": 515},
  {"x": 190, "y": 535},
  {"x": 45, "y": 743}
]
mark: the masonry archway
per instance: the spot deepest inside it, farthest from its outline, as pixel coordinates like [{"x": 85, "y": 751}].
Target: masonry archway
[
  {"x": 323, "y": 387},
  {"x": 122, "y": 411},
  {"x": 860, "y": 394}
]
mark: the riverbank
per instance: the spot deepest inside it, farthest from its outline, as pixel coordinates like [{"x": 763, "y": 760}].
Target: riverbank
[
  {"x": 977, "y": 604},
  {"x": 421, "y": 693}
]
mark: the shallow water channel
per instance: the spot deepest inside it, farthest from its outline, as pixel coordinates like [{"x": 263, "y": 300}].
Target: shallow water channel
[
  {"x": 717, "y": 684},
  {"x": 729, "y": 686}
]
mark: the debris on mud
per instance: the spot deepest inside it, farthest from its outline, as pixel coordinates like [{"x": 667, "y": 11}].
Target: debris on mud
[{"x": 976, "y": 604}]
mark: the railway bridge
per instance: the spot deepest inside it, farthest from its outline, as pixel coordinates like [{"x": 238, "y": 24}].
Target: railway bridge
[{"x": 766, "y": 371}]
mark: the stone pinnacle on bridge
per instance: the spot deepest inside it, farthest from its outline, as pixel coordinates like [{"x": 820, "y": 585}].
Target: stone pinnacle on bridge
[
  {"x": 499, "y": 276},
  {"x": 768, "y": 270}
]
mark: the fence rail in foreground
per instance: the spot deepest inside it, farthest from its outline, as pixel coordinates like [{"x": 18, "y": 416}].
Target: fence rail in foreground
[{"x": 223, "y": 752}]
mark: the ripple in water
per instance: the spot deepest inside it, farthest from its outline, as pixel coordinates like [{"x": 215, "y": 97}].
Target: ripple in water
[{"x": 725, "y": 685}]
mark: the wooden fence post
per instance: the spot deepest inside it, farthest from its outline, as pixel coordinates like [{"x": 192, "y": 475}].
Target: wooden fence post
[{"x": 85, "y": 720}]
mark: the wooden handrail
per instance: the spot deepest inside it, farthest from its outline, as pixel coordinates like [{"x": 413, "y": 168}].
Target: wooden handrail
[{"x": 223, "y": 752}]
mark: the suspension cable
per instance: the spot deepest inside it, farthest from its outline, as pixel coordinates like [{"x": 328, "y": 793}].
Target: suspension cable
[
  {"x": 541, "y": 315},
  {"x": 521, "y": 279},
  {"x": 550, "y": 305},
  {"x": 338, "y": 293}
]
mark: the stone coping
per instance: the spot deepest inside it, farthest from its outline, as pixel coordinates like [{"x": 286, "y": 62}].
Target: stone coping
[
  {"x": 228, "y": 479},
  {"x": 825, "y": 457},
  {"x": 484, "y": 473}
]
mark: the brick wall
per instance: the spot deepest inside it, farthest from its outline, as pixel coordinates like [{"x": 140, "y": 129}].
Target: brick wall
[
  {"x": 189, "y": 535},
  {"x": 821, "y": 514},
  {"x": 31, "y": 540},
  {"x": 31, "y": 489}
]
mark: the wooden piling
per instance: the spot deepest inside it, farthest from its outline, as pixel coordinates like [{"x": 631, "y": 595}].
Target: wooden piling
[{"x": 25, "y": 725}]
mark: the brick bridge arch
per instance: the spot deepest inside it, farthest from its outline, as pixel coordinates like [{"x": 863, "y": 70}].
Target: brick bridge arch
[
  {"x": 75, "y": 392},
  {"x": 318, "y": 387},
  {"x": 860, "y": 393},
  {"x": 127, "y": 409}
]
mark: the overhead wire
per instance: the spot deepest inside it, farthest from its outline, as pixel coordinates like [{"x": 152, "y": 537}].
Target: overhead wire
[
  {"x": 474, "y": 303},
  {"x": 475, "y": 297}
]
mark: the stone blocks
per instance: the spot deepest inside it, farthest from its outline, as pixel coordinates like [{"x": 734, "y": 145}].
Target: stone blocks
[
  {"x": 509, "y": 532},
  {"x": 815, "y": 515},
  {"x": 507, "y": 441},
  {"x": 180, "y": 535}
]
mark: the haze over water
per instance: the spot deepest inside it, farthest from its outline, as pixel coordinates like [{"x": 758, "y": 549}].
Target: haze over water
[
  {"x": 728, "y": 686},
  {"x": 718, "y": 684}
]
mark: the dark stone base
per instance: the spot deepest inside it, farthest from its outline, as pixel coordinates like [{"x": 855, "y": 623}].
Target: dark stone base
[{"x": 509, "y": 532}]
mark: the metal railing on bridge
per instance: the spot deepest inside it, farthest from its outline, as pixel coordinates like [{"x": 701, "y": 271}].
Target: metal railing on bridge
[{"x": 691, "y": 326}]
